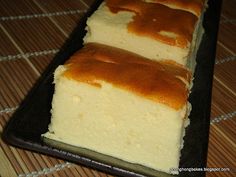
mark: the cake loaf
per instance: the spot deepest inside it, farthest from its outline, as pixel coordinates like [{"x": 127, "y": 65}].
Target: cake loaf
[
  {"x": 158, "y": 31},
  {"x": 120, "y": 105}
]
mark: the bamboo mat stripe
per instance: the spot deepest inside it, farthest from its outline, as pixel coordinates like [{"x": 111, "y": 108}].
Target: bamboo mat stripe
[
  {"x": 225, "y": 76},
  {"x": 222, "y": 53},
  {"x": 20, "y": 50},
  {"x": 227, "y": 59},
  {"x": 223, "y": 117},
  {"x": 41, "y": 62},
  {"x": 226, "y": 48},
  {"x": 45, "y": 171},
  {"x": 29, "y": 54},
  {"x": 14, "y": 86},
  {"x": 227, "y": 31},
  {"x": 8, "y": 110},
  {"x": 228, "y": 21},
  {"x": 21, "y": 17},
  {"x": 52, "y": 20},
  {"x": 38, "y": 37},
  {"x": 225, "y": 17},
  {"x": 84, "y": 3},
  {"x": 34, "y": 31},
  {"x": 225, "y": 86}
]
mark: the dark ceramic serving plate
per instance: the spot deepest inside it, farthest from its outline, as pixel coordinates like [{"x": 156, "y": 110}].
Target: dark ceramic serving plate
[{"x": 33, "y": 116}]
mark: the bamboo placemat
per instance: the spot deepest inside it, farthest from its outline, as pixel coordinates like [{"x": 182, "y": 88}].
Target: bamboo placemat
[{"x": 32, "y": 32}]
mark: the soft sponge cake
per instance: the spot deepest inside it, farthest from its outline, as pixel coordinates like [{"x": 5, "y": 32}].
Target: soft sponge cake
[
  {"x": 121, "y": 105},
  {"x": 152, "y": 30}
]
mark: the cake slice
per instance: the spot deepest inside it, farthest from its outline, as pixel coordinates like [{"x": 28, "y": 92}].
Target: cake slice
[
  {"x": 152, "y": 30},
  {"x": 114, "y": 104}
]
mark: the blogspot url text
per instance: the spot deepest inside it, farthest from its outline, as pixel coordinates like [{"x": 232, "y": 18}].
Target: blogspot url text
[{"x": 200, "y": 169}]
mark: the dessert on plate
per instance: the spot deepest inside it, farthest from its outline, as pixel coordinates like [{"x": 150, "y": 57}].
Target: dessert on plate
[
  {"x": 123, "y": 98},
  {"x": 154, "y": 30},
  {"x": 121, "y": 105}
]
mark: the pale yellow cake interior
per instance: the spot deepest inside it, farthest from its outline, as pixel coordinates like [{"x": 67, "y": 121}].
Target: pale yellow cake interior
[{"x": 114, "y": 122}]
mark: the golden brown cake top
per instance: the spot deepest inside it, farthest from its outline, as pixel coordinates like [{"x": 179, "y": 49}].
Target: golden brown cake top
[
  {"x": 171, "y": 26},
  {"x": 193, "y": 6},
  {"x": 163, "y": 82}
]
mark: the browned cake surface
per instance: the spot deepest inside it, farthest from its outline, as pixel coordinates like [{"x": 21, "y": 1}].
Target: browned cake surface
[
  {"x": 194, "y": 6},
  {"x": 152, "y": 18},
  {"x": 158, "y": 81}
]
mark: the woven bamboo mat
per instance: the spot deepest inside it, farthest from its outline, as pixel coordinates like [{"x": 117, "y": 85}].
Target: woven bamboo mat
[{"x": 32, "y": 32}]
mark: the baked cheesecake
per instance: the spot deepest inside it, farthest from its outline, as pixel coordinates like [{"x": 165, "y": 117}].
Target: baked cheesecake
[
  {"x": 121, "y": 106},
  {"x": 150, "y": 29}
]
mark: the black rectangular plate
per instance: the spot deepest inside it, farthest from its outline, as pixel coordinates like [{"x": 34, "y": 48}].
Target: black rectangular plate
[{"x": 33, "y": 116}]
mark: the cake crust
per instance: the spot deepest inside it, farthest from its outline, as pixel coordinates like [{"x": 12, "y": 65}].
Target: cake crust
[
  {"x": 171, "y": 26},
  {"x": 193, "y": 6},
  {"x": 163, "y": 82}
]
